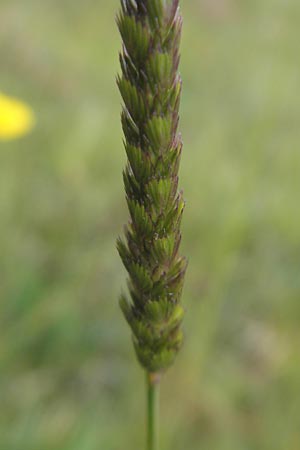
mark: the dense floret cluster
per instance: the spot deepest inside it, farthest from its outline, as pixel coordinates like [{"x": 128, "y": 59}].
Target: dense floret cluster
[{"x": 150, "y": 86}]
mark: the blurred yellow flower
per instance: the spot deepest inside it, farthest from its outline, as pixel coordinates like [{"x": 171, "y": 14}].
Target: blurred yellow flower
[{"x": 16, "y": 118}]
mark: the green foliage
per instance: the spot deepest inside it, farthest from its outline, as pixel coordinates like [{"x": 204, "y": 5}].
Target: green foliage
[{"x": 150, "y": 87}]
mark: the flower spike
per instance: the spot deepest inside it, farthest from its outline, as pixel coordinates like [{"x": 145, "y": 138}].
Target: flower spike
[{"x": 150, "y": 86}]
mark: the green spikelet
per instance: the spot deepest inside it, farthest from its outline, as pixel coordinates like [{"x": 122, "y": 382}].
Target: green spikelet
[{"x": 150, "y": 87}]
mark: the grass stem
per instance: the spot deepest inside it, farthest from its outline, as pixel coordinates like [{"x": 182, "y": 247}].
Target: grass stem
[{"x": 153, "y": 382}]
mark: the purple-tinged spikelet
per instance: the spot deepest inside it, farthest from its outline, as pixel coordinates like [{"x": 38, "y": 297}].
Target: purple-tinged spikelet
[{"x": 150, "y": 86}]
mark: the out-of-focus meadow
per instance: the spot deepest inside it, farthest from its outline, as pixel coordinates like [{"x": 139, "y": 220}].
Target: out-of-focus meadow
[{"x": 69, "y": 379}]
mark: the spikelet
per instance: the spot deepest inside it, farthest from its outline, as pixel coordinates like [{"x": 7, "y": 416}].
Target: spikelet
[{"x": 150, "y": 86}]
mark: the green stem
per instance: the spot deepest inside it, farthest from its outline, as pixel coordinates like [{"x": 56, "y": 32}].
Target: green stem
[{"x": 153, "y": 381}]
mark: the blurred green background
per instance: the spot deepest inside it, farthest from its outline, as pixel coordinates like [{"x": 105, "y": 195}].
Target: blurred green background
[{"x": 68, "y": 375}]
